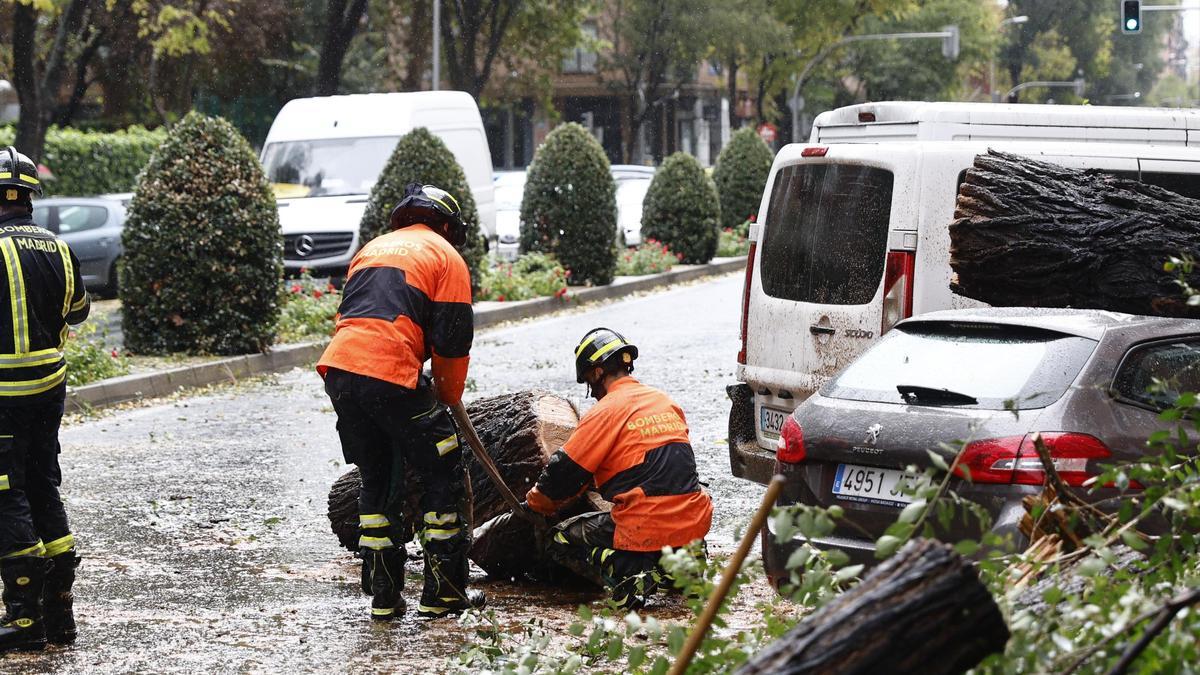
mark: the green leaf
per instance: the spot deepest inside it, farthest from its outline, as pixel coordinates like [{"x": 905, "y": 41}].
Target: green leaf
[
  {"x": 938, "y": 460},
  {"x": 887, "y": 545},
  {"x": 637, "y": 656},
  {"x": 675, "y": 639},
  {"x": 615, "y": 647},
  {"x": 798, "y": 558},
  {"x": 1090, "y": 567},
  {"x": 913, "y": 511},
  {"x": 1133, "y": 541},
  {"x": 836, "y": 557},
  {"x": 967, "y": 547},
  {"x": 848, "y": 573}
]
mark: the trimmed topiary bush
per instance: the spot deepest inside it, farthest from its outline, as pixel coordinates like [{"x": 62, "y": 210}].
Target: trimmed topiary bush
[
  {"x": 203, "y": 253},
  {"x": 422, "y": 157},
  {"x": 569, "y": 208},
  {"x": 681, "y": 209},
  {"x": 92, "y": 163},
  {"x": 741, "y": 175}
]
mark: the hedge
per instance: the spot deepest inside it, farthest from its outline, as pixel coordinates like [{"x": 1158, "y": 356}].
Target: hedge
[
  {"x": 681, "y": 209},
  {"x": 424, "y": 158},
  {"x": 741, "y": 175},
  {"x": 569, "y": 208},
  {"x": 86, "y": 163},
  {"x": 203, "y": 251}
]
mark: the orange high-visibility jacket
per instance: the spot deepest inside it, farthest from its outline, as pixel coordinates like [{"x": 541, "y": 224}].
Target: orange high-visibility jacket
[
  {"x": 407, "y": 299},
  {"x": 633, "y": 445}
]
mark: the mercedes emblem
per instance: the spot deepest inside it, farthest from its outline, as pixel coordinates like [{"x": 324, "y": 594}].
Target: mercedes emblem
[{"x": 304, "y": 245}]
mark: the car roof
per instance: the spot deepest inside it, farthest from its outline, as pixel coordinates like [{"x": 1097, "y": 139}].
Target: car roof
[
  {"x": 53, "y": 201},
  {"x": 1088, "y": 323}
]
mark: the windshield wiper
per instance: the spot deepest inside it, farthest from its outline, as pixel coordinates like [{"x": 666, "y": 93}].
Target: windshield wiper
[{"x": 915, "y": 394}]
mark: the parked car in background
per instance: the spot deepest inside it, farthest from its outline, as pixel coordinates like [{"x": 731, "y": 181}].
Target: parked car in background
[
  {"x": 624, "y": 172},
  {"x": 990, "y": 378},
  {"x": 324, "y": 154},
  {"x": 510, "y": 189},
  {"x": 91, "y": 226},
  {"x": 631, "y": 193}
]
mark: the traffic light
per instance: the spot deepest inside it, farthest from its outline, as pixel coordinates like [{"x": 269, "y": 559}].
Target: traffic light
[
  {"x": 950, "y": 42},
  {"x": 1131, "y": 16}
]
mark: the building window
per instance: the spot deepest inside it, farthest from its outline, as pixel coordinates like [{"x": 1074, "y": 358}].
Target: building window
[{"x": 582, "y": 59}]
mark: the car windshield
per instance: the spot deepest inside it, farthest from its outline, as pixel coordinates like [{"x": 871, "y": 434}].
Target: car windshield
[
  {"x": 998, "y": 366},
  {"x": 326, "y": 168}
]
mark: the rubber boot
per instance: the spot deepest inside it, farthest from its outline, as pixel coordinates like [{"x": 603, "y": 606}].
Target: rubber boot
[
  {"x": 445, "y": 592},
  {"x": 58, "y": 602},
  {"x": 22, "y": 627},
  {"x": 387, "y": 582}
]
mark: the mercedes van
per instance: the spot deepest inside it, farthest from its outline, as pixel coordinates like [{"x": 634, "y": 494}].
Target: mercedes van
[
  {"x": 324, "y": 154},
  {"x": 853, "y": 231}
]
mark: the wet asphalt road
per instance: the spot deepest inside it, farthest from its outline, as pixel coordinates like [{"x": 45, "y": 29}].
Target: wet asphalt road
[{"x": 202, "y": 521}]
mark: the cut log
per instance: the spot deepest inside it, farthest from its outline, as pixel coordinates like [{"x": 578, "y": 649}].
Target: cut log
[
  {"x": 1034, "y": 234},
  {"x": 520, "y": 432},
  {"x": 924, "y": 610}
]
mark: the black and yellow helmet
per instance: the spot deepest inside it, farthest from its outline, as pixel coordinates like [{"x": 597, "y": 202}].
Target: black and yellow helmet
[
  {"x": 603, "y": 347},
  {"x": 432, "y": 206},
  {"x": 18, "y": 176}
]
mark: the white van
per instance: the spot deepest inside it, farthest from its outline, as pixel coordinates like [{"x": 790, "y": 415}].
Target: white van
[
  {"x": 323, "y": 155},
  {"x": 852, "y": 237}
]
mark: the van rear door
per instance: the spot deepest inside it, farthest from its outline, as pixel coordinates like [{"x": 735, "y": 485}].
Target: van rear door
[{"x": 817, "y": 293}]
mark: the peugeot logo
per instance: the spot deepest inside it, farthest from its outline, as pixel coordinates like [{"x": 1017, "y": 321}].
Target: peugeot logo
[
  {"x": 304, "y": 245},
  {"x": 873, "y": 434}
]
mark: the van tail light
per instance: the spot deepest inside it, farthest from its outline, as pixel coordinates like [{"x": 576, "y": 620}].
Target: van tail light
[
  {"x": 790, "y": 448},
  {"x": 1014, "y": 460},
  {"x": 741, "y": 357},
  {"x": 897, "y": 288},
  {"x": 814, "y": 151}
]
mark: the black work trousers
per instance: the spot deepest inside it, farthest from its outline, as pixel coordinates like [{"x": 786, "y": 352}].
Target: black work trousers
[
  {"x": 32, "y": 518},
  {"x": 385, "y": 429},
  {"x": 584, "y": 543}
]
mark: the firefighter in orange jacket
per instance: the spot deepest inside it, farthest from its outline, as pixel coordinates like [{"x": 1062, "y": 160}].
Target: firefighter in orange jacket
[
  {"x": 407, "y": 299},
  {"x": 633, "y": 446}
]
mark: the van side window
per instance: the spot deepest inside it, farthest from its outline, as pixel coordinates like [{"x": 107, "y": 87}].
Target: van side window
[
  {"x": 825, "y": 236},
  {"x": 1154, "y": 375}
]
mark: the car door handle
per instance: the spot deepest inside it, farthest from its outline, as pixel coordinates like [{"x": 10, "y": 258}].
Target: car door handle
[{"x": 817, "y": 329}]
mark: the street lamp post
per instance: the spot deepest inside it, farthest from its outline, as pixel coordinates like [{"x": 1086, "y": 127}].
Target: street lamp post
[
  {"x": 1016, "y": 20},
  {"x": 437, "y": 45}
]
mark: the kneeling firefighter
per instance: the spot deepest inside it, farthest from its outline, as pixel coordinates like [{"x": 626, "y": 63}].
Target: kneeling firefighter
[
  {"x": 633, "y": 446},
  {"x": 45, "y": 293},
  {"x": 407, "y": 299}
]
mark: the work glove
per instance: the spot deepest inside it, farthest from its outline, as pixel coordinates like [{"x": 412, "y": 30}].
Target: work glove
[{"x": 540, "y": 522}]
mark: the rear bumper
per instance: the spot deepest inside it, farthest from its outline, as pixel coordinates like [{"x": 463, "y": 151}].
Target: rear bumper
[{"x": 747, "y": 459}]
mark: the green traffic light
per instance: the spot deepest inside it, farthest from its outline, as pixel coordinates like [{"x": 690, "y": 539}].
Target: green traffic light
[{"x": 1131, "y": 24}]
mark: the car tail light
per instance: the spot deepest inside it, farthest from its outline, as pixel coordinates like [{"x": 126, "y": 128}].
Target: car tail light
[
  {"x": 741, "y": 357},
  {"x": 814, "y": 151},
  {"x": 790, "y": 449},
  {"x": 897, "y": 288},
  {"x": 1013, "y": 459},
  {"x": 1069, "y": 453}
]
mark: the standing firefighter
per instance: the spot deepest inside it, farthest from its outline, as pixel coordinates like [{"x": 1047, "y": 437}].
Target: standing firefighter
[
  {"x": 44, "y": 293},
  {"x": 633, "y": 446},
  {"x": 407, "y": 299}
]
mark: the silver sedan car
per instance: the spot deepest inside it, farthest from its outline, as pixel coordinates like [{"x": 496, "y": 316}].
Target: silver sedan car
[
  {"x": 989, "y": 378},
  {"x": 91, "y": 226}
]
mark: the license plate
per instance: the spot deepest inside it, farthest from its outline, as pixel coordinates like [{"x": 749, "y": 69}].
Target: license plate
[
  {"x": 770, "y": 420},
  {"x": 871, "y": 485}
]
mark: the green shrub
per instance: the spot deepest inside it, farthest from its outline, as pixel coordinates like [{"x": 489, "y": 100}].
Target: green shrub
[
  {"x": 87, "y": 358},
  {"x": 307, "y": 310},
  {"x": 569, "y": 208},
  {"x": 533, "y": 275},
  {"x": 92, "y": 162},
  {"x": 681, "y": 209},
  {"x": 741, "y": 175},
  {"x": 734, "y": 241},
  {"x": 421, "y": 157},
  {"x": 651, "y": 257},
  {"x": 203, "y": 253}
]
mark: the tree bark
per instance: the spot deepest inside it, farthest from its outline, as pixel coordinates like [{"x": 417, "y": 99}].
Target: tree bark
[
  {"x": 922, "y": 611},
  {"x": 37, "y": 95},
  {"x": 1033, "y": 234},
  {"x": 341, "y": 23},
  {"x": 520, "y": 432}
]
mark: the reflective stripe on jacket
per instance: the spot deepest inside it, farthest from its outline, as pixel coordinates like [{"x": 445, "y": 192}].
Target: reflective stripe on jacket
[
  {"x": 407, "y": 299},
  {"x": 44, "y": 293},
  {"x": 633, "y": 445}
]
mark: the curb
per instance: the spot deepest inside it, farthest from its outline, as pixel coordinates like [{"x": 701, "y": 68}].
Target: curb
[{"x": 127, "y": 388}]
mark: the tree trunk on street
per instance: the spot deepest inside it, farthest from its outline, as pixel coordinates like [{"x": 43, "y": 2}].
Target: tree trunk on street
[
  {"x": 341, "y": 24},
  {"x": 520, "y": 432},
  {"x": 1034, "y": 234},
  {"x": 922, "y": 611}
]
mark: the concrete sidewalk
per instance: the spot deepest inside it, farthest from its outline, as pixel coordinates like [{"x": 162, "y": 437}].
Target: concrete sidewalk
[{"x": 285, "y": 357}]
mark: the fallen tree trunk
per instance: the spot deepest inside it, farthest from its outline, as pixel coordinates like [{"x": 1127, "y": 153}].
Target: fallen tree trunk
[
  {"x": 1034, "y": 234},
  {"x": 924, "y": 610},
  {"x": 520, "y": 432}
]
